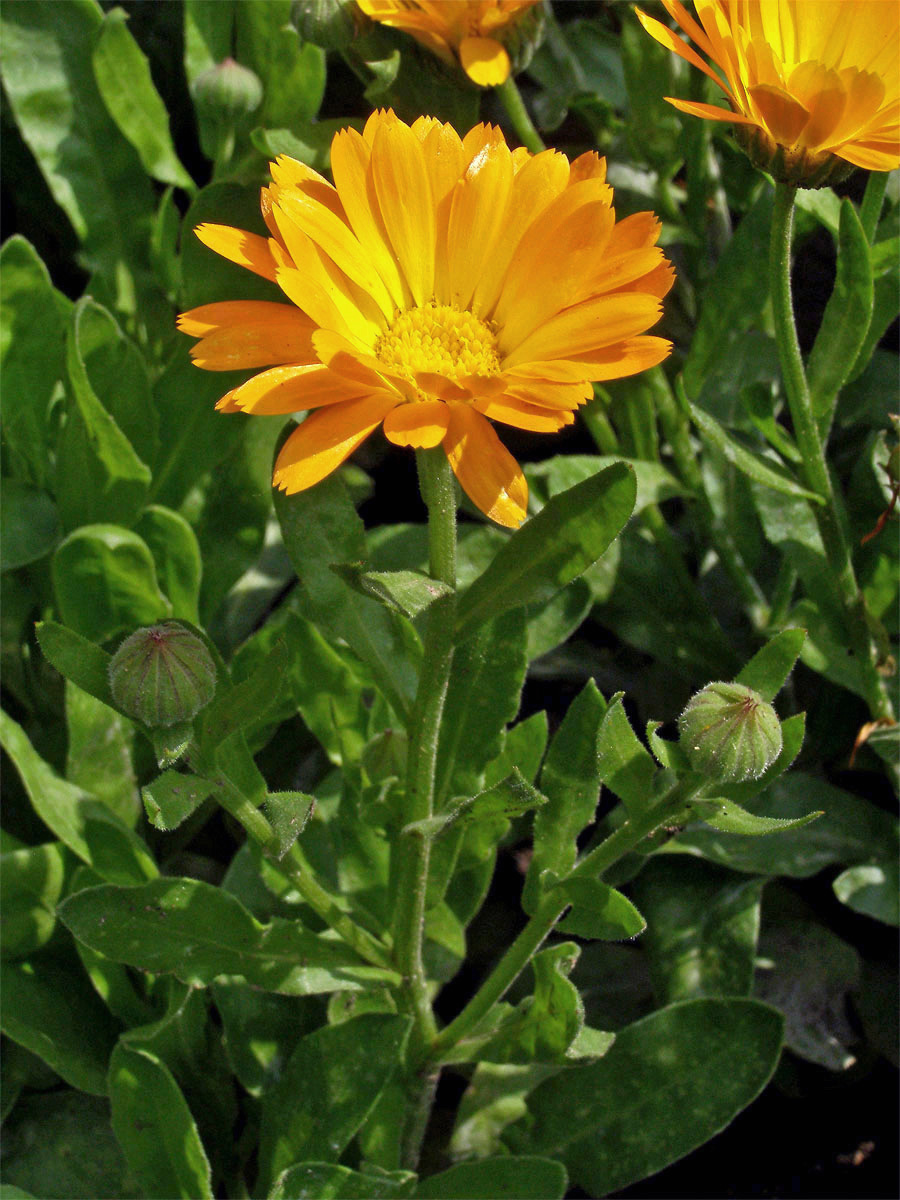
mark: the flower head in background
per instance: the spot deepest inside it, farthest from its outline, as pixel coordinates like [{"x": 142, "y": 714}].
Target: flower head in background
[
  {"x": 809, "y": 81},
  {"x": 471, "y": 31},
  {"x": 440, "y": 282}
]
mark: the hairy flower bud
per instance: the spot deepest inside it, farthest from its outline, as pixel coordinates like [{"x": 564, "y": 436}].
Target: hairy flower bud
[
  {"x": 794, "y": 165},
  {"x": 227, "y": 91},
  {"x": 162, "y": 674},
  {"x": 729, "y": 732}
]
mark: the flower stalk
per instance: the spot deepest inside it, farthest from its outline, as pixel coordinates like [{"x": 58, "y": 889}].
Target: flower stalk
[
  {"x": 521, "y": 122},
  {"x": 829, "y": 515}
]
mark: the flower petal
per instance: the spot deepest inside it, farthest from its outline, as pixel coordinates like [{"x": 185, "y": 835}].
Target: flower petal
[
  {"x": 487, "y": 472},
  {"x": 325, "y": 439},
  {"x": 293, "y": 389},
  {"x": 421, "y": 424},
  {"x": 240, "y": 334},
  {"x": 484, "y": 60},
  {"x": 406, "y": 204},
  {"x": 246, "y": 249},
  {"x": 587, "y": 327},
  {"x": 522, "y": 415},
  {"x": 477, "y": 218}
]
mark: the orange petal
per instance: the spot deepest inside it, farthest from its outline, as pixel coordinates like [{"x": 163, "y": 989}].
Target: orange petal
[
  {"x": 325, "y": 439},
  {"x": 512, "y": 411},
  {"x": 477, "y": 219},
  {"x": 782, "y": 116},
  {"x": 292, "y": 389},
  {"x": 240, "y": 334},
  {"x": 484, "y": 60},
  {"x": 407, "y": 206},
  {"x": 421, "y": 424},
  {"x": 629, "y": 357},
  {"x": 710, "y": 112},
  {"x": 488, "y": 473},
  {"x": 246, "y": 249},
  {"x": 587, "y": 327}
]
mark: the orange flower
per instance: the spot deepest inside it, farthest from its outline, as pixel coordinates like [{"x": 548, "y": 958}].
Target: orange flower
[
  {"x": 440, "y": 282},
  {"x": 456, "y": 29},
  {"x": 807, "y": 80}
]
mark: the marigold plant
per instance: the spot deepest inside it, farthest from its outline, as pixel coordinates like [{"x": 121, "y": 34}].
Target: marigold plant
[{"x": 440, "y": 281}]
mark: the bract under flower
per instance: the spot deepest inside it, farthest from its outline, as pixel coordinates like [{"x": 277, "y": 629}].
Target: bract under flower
[
  {"x": 808, "y": 81},
  {"x": 439, "y": 282},
  {"x": 468, "y": 30}
]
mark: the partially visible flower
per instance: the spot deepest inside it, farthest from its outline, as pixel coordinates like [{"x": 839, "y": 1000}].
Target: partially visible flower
[
  {"x": 472, "y": 31},
  {"x": 440, "y": 282},
  {"x": 808, "y": 81}
]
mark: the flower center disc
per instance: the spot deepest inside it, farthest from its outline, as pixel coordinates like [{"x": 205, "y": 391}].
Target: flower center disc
[{"x": 441, "y": 340}]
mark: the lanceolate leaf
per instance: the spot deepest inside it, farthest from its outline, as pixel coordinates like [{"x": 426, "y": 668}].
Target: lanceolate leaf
[
  {"x": 769, "y": 668},
  {"x": 199, "y": 932},
  {"x": 525, "y": 1177},
  {"x": 551, "y": 549}
]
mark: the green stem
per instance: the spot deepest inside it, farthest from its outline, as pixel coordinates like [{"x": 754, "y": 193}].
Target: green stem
[
  {"x": 621, "y": 842},
  {"x": 829, "y": 515},
  {"x": 518, "y": 116},
  {"x": 297, "y": 870},
  {"x": 413, "y": 852},
  {"x": 870, "y": 212}
]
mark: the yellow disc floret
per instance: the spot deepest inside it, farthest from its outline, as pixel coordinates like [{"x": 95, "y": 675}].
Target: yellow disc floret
[{"x": 441, "y": 340}]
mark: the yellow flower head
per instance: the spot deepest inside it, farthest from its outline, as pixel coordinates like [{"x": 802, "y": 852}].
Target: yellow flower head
[
  {"x": 466, "y": 30},
  {"x": 440, "y": 281},
  {"x": 808, "y": 81}
]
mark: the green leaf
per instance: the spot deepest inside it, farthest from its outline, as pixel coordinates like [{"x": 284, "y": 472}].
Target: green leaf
[
  {"x": 807, "y": 971},
  {"x": 551, "y": 549},
  {"x": 649, "y": 1100},
  {"x": 570, "y": 778},
  {"x": 123, "y": 77},
  {"x": 547, "y": 479},
  {"x": 408, "y": 592},
  {"x": 93, "y": 173},
  {"x": 852, "y": 830},
  {"x": 32, "y": 338},
  {"x": 598, "y": 911},
  {"x": 751, "y": 464},
  {"x": 155, "y": 1128},
  {"x": 52, "y": 1010},
  {"x": 351, "y": 1064},
  {"x": 293, "y": 74},
  {"x": 81, "y": 661},
  {"x": 871, "y": 889},
  {"x": 105, "y": 582},
  {"x": 768, "y": 669},
  {"x": 233, "y": 708},
  {"x": 99, "y": 475},
  {"x": 668, "y": 754},
  {"x": 60, "y": 1144},
  {"x": 494, "y": 1099},
  {"x": 176, "y": 555},
  {"x": 199, "y": 932},
  {"x": 728, "y": 817},
  {"x": 550, "y": 624},
  {"x": 87, "y": 827},
  {"x": 703, "y": 928},
  {"x": 29, "y": 524},
  {"x": 328, "y": 1181},
  {"x": 626, "y": 767},
  {"x": 172, "y": 798},
  {"x": 523, "y": 748},
  {"x": 733, "y": 297},
  {"x": 847, "y": 317},
  {"x": 288, "y": 813},
  {"x": 526, "y": 1177},
  {"x": 320, "y": 527},
  {"x": 482, "y": 696},
  {"x": 511, "y": 797},
  {"x": 99, "y": 754},
  {"x": 31, "y": 883},
  {"x": 208, "y": 34}
]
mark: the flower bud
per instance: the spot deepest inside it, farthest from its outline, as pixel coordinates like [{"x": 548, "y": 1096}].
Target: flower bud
[
  {"x": 227, "y": 92},
  {"x": 788, "y": 164},
  {"x": 162, "y": 674},
  {"x": 730, "y": 733},
  {"x": 332, "y": 24}
]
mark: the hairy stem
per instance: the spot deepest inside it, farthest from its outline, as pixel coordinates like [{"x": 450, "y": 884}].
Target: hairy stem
[{"x": 829, "y": 515}]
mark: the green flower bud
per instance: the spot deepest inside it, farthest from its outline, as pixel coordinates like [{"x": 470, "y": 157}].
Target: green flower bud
[
  {"x": 332, "y": 24},
  {"x": 730, "y": 733},
  {"x": 162, "y": 674},
  {"x": 227, "y": 92}
]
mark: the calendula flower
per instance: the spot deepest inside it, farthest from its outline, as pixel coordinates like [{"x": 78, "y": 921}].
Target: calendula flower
[
  {"x": 440, "y": 282},
  {"x": 470, "y": 31},
  {"x": 808, "y": 81}
]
